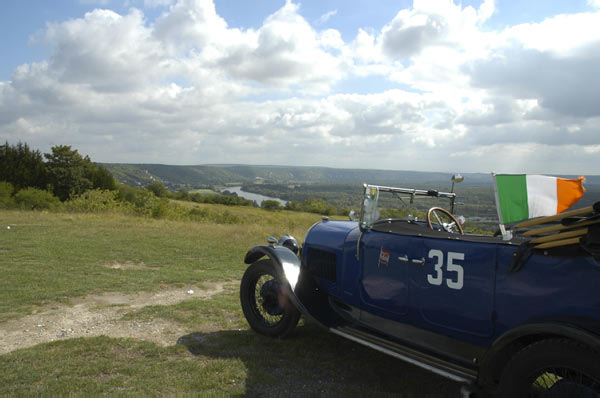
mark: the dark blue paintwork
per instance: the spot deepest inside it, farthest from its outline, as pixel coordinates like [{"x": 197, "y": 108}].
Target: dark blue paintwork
[{"x": 479, "y": 307}]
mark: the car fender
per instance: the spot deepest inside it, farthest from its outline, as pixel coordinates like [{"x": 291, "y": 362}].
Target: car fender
[
  {"x": 301, "y": 288},
  {"x": 505, "y": 346}
]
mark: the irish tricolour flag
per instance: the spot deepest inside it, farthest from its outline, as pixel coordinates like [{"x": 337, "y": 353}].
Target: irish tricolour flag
[{"x": 521, "y": 196}]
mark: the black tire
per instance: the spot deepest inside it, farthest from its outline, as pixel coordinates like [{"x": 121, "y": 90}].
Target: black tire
[
  {"x": 552, "y": 368},
  {"x": 266, "y": 307}
]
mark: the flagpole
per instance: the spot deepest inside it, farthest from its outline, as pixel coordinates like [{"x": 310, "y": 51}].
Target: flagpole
[{"x": 506, "y": 235}]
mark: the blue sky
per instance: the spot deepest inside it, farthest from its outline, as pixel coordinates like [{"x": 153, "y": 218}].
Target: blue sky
[{"x": 427, "y": 84}]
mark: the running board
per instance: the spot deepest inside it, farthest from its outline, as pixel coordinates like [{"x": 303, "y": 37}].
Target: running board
[{"x": 433, "y": 364}]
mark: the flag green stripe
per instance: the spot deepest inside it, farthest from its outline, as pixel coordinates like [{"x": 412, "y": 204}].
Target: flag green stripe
[{"x": 512, "y": 194}]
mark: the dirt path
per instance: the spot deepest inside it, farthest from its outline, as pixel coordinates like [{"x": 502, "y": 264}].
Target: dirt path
[{"x": 100, "y": 315}]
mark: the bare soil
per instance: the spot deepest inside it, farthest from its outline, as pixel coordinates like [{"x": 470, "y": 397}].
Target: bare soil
[
  {"x": 100, "y": 315},
  {"x": 128, "y": 266}
]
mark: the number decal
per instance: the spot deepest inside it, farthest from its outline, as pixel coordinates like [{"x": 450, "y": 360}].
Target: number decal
[
  {"x": 452, "y": 267},
  {"x": 437, "y": 280},
  {"x": 457, "y": 280}
]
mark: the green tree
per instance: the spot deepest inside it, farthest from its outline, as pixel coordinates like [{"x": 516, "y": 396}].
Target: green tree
[
  {"x": 70, "y": 174},
  {"x": 319, "y": 206},
  {"x": 102, "y": 179},
  {"x": 22, "y": 167},
  {"x": 6, "y": 193},
  {"x": 158, "y": 189},
  {"x": 292, "y": 205},
  {"x": 182, "y": 194},
  {"x": 270, "y": 205}
]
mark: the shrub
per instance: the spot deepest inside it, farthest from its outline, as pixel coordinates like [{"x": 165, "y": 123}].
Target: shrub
[
  {"x": 6, "y": 192},
  {"x": 292, "y": 205},
  {"x": 97, "y": 200},
  {"x": 160, "y": 208},
  {"x": 198, "y": 214},
  {"x": 144, "y": 202},
  {"x": 36, "y": 199},
  {"x": 228, "y": 200},
  {"x": 270, "y": 205},
  {"x": 158, "y": 189},
  {"x": 138, "y": 197},
  {"x": 318, "y": 206},
  {"x": 182, "y": 194},
  {"x": 225, "y": 218}
]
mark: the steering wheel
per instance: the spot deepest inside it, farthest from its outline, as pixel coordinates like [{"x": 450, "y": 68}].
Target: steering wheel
[{"x": 446, "y": 226}]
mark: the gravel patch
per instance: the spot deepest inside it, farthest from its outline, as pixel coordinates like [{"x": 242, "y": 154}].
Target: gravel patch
[{"x": 100, "y": 315}]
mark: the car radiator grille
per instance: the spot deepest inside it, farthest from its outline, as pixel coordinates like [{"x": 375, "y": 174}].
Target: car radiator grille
[{"x": 321, "y": 263}]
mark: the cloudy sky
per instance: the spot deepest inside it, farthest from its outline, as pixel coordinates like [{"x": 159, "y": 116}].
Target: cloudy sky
[{"x": 435, "y": 85}]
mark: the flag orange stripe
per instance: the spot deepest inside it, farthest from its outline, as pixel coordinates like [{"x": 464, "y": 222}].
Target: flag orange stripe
[{"x": 568, "y": 192}]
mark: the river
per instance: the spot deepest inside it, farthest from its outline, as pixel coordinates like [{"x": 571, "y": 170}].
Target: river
[{"x": 253, "y": 196}]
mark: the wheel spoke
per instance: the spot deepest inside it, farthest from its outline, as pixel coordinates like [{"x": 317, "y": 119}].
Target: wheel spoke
[
  {"x": 261, "y": 301},
  {"x": 563, "y": 381}
]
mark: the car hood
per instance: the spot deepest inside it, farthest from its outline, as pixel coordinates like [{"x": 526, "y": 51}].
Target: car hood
[{"x": 329, "y": 235}]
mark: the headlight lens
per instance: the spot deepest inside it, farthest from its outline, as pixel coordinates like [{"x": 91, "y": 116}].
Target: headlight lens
[{"x": 290, "y": 242}]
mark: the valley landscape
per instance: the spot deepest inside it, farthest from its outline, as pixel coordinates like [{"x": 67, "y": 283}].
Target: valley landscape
[{"x": 339, "y": 188}]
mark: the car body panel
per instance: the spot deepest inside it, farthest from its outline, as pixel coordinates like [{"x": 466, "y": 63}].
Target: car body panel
[
  {"x": 454, "y": 289},
  {"x": 546, "y": 288},
  {"x": 384, "y": 280},
  {"x": 478, "y": 312}
]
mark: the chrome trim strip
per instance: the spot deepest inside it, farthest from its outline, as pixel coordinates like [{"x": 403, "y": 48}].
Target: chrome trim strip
[{"x": 406, "y": 358}]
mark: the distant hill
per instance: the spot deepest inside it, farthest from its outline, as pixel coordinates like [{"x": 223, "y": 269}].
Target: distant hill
[
  {"x": 172, "y": 176},
  {"x": 207, "y": 175},
  {"x": 201, "y": 176}
]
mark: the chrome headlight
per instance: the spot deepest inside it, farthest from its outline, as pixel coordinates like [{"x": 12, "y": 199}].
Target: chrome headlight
[{"x": 290, "y": 242}]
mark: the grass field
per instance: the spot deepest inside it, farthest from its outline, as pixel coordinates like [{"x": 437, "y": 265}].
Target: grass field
[{"x": 55, "y": 266}]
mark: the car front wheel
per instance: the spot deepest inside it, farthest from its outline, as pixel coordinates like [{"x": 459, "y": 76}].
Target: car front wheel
[
  {"x": 265, "y": 303},
  {"x": 552, "y": 368}
]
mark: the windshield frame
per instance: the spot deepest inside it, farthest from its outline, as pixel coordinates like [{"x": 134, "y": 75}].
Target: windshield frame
[{"x": 369, "y": 212}]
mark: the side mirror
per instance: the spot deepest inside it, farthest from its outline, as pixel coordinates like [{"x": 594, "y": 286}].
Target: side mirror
[
  {"x": 353, "y": 216},
  {"x": 457, "y": 178}
]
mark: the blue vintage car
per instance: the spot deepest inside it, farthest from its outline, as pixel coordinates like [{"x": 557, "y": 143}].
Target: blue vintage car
[{"x": 517, "y": 314}]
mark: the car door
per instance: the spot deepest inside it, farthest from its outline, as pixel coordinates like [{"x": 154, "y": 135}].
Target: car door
[
  {"x": 385, "y": 261},
  {"x": 453, "y": 291}
]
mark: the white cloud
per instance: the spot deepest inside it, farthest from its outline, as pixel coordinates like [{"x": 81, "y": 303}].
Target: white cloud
[
  {"x": 325, "y": 17},
  {"x": 486, "y": 10},
  {"x": 535, "y": 61},
  {"x": 104, "y": 51},
  {"x": 285, "y": 52},
  {"x": 189, "y": 89}
]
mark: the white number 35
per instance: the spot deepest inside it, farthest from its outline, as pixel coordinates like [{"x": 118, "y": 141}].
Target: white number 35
[{"x": 456, "y": 281}]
